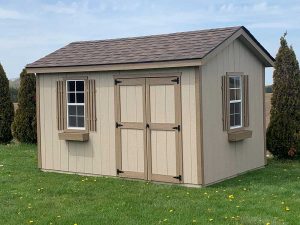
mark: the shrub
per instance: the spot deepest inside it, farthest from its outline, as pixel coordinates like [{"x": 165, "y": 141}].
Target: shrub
[
  {"x": 24, "y": 125},
  {"x": 6, "y": 109},
  {"x": 285, "y": 112}
]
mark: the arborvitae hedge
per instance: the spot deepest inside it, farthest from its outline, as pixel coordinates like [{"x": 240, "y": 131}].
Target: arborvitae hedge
[
  {"x": 285, "y": 112},
  {"x": 24, "y": 125},
  {"x": 6, "y": 109}
]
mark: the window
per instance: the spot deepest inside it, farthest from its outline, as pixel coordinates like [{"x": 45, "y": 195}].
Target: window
[
  {"x": 235, "y": 102},
  {"x": 75, "y": 104}
]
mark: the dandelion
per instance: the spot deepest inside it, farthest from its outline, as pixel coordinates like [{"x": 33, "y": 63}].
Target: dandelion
[
  {"x": 95, "y": 180},
  {"x": 217, "y": 191},
  {"x": 231, "y": 197},
  {"x": 245, "y": 189},
  {"x": 282, "y": 203},
  {"x": 287, "y": 208},
  {"x": 30, "y": 221},
  {"x": 194, "y": 221},
  {"x": 165, "y": 220},
  {"x": 187, "y": 193},
  {"x": 82, "y": 180},
  {"x": 75, "y": 223},
  {"x": 210, "y": 219},
  {"x": 205, "y": 193},
  {"x": 268, "y": 223},
  {"x": 58, "y": 216},
  {"x": 171, "y": 210}
]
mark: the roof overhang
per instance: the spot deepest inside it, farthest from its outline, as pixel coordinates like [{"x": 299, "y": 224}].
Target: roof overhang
[
  {"x": 115, "y": 67},
  {"x": 248, "y": 40}
]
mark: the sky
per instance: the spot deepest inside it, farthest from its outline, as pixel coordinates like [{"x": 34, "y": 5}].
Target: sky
[{"x": 31, "y": 29}]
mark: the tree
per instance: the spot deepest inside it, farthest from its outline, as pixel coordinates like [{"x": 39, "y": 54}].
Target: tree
[
  {"x": 285, "y": 112},
  {"x": 6, "y": 109},
  {"x": 24, "y": 125}
]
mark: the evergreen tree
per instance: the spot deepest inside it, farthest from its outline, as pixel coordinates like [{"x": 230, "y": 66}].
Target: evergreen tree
[
  {"x": 24, "y": 125},
  {"x": 6, "y": 109},
  {"x": 285, "y": 112}
]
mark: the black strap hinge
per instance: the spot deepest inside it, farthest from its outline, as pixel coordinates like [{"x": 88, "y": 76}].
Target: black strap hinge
[
  {"x": 119, "y": 171},
  {"x": 118, "y": 125},
  {"x": 177, "y": 128},
  {"x": 178, "y": 177},
  {"x": 117, "y": 82},
  {"x": 176, "y": 80}
]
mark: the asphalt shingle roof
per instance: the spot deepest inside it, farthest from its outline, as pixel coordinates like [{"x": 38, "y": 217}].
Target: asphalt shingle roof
[{"x": 155, "y": 48}]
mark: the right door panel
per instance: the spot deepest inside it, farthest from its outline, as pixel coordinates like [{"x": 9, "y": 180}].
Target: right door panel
[{"x": 163, "y": 118}]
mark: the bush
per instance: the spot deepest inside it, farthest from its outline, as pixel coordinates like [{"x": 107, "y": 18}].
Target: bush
[
  {"x": 6, "y": 109},
  {"x": 285, "y": 112},
  {"x": 24, "y": 125}
]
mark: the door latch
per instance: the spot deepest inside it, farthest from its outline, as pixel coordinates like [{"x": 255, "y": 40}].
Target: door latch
[{"x": 147, "y": 125}]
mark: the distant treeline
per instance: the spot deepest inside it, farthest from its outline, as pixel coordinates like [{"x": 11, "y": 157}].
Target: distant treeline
[
  {"x": 13, "y": 94},
  {"x": 268, "y": 89}
]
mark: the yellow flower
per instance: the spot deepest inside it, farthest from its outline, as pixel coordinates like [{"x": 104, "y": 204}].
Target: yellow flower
[
  {"x": 58, "y": 216},
  {"x": 231, "y": 197},
  {"x": 171, "y": 210},
  {"x": 165, "y": 220},
  {"x": 194, "y": 221},
  {"x": 268, "y": 223},
  {"x": 75, "y": 223},
  {"x": 30, "y": 221},
  {"x": 210, "y": 220},
  {"x": 287, "y": 208}
]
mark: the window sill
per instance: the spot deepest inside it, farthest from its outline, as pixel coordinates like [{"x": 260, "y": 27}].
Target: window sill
[
  {"x": 239, "y": 135},
  {"x": 74, "y": 136}
]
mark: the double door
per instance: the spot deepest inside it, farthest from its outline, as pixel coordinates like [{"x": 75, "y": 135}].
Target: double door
[{"x": 148, "y": 129}]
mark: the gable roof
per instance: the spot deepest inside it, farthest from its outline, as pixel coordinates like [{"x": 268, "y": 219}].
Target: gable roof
[{"x": 156, "y": 48}]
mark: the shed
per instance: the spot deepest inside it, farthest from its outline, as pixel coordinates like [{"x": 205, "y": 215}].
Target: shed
[{"x": 182, "y": 108}]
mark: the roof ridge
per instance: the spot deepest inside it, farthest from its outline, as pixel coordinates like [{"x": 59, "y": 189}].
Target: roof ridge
[{"x": 159, "y": 35}]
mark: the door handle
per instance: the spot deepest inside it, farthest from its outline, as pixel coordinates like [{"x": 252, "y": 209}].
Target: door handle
[{"x": 147, "y": 125}]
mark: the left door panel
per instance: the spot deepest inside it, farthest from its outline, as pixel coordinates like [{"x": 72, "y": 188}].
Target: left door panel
[{"x": 131, "y": 128}]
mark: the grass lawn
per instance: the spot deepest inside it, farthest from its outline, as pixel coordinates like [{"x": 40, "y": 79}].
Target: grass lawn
[{"x": 28, "y": 196}]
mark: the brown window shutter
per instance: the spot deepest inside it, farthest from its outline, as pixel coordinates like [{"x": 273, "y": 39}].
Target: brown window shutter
[
  {"x": 225, "y": 103},
  {"x": 246, "y": 100},
  {"x": 60, "y": 107},
  {"x": 92, "y": 119}
]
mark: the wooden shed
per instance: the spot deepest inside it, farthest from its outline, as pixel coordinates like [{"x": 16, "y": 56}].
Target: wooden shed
[{"x": 182, "y": 108}]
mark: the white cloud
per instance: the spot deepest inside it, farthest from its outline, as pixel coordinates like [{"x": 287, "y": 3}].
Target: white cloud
[
  {"x": 10, "y": 14},
  {"x": 64, "y": 8}
]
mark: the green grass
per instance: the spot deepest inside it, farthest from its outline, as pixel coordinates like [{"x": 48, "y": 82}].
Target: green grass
[{"x": 26, "y": 194}]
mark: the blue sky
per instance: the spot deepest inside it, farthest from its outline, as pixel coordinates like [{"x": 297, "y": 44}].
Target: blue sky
[{"x": 31, "y": 29}]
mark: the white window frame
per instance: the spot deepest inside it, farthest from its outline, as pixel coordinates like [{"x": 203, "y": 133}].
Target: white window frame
[
  {"x": 75, "y": 104},
  {"x": 236, "y": 101}
]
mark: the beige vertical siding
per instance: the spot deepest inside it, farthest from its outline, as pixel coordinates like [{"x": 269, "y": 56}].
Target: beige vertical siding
[
  {"x": 223, "y": 159},
  {"x": 97, "y": 156}
]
